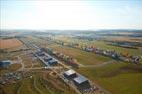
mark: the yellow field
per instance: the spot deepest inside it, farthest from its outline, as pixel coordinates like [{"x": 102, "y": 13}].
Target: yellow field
[{"x": 126, "y": 39}]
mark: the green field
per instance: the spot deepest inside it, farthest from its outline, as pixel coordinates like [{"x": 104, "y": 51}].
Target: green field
[
  {"x": 120, "y": 78},
  {"x": 82, "y": 57},
  {"x": 103, "y": 45},
  {"x": 100, "y": 44}
]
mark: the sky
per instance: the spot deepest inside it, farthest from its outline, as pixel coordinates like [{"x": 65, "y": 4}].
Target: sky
[{"x": 71, "y": 14}]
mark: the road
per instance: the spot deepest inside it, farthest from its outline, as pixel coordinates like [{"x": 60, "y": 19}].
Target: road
[
  {"x": 38, "y": 68},
  {"x": 20, "y": 61},
  {"x": 35, "y": 86}
]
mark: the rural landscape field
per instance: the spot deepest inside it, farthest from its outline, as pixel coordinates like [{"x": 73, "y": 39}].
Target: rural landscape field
[
  {"x": 109, "y": 74},
  {"x": 70, "y": 47}
]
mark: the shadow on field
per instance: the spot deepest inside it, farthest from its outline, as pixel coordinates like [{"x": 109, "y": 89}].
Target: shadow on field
[{"x": 124, "y": 69}]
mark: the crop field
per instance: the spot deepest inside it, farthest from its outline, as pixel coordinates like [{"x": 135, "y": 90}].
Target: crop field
[
  {"x": 9, "y": 43},
  {"x": 119, "y": 78},
  {"x": 102, "y": 44},
  {"x": 126, "y": 39},
  {"x": 10, "y": 89}
]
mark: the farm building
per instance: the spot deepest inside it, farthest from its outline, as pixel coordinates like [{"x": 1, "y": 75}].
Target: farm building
[
  {"x": 89, "y": 49},
  {"x": 70, "y": 74},
  {"x": 42, "y": 49},
  {"x": 135, "y": 59},
  {"x": 40, "y": 53},
  {"x": 81, "y": 82},
  {"x": 115, "y": 55},
  {"x": 5, "y": 63},
  {"x": 46, "y": 59},
  {"x": 53, "y": 62}
]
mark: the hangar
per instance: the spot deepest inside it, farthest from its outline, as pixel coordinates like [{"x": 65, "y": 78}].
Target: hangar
[
  {"x": 70, "y": 74},
  {"x": 5, "y": 63},
  {"x": 81, "y": 82},
  {"x": 53, "y": 62}
]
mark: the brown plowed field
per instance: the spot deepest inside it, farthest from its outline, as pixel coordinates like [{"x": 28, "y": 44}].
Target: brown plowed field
[{"x": 9, "y": 43}]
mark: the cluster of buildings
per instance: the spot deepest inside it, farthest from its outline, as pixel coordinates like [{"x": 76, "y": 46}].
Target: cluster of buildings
[
  {"x": 46, "y": 58},
  {"x": 67, "y": 59},
  {"x": 70, "y": 76},
  {"x": 108, "y": 53},
  {"x": 114, "y": 55},
  {"x": 81, "y": 82},
  {"x": 9, "y": 78}
]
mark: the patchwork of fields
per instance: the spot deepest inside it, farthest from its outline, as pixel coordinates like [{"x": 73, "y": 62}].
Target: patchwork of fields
[
  {"x": 116, "y": 77},
  {"x": 101, "y": 44}
]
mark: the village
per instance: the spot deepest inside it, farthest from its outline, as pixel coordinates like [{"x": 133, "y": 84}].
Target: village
[
  {"x": 109, "y": 53},
  {"x": 70, "y": 47},
  {"x": 45, "y": 60},
  {"x": 73, "y": 79}
]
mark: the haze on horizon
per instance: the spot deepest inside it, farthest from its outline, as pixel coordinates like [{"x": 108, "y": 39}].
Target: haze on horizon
[{"x": 105, "y": 14}]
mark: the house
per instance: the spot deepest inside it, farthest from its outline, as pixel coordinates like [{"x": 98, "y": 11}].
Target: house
[
  {"x": 89, "y": 49},
  {"x": 99, "y": 51},
  {"x": 115, "y": 55},
  {"x": 70, "y": 74},
  {"x": 53, "y": 62},
  {"x": 5, "y": 63},
  {"x": 135, "y": 59},
  {"x": 81, "y": 82}
]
